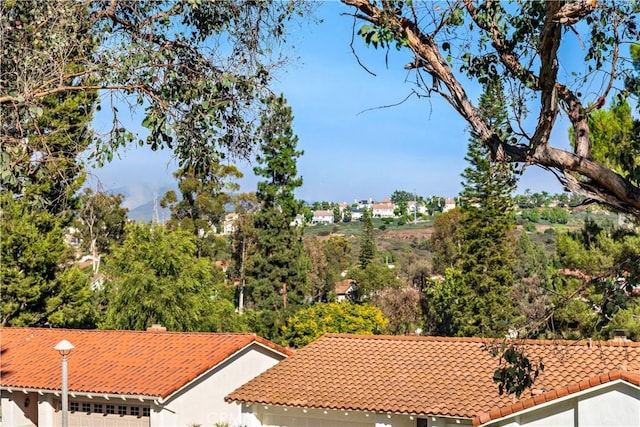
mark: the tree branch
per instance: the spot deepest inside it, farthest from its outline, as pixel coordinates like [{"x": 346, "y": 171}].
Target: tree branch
[{"x": 579, "y": 172}]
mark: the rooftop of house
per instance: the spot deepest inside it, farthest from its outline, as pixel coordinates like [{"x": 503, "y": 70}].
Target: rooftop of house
[
  {"x": 344, "y": 285},
  {"x": 422, "y": 375},
  {"x": 153, "y": 363}
]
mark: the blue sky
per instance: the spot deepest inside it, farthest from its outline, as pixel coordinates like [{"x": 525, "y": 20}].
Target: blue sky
[{"x": 352, "y": 149}]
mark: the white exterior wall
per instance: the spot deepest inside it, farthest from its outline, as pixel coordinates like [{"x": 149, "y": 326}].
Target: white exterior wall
[
  {"x": 560, "y": 414},
  {"x": 47, "y": 416},
  {"x": 618, "y": 407},
  {"x": 612, "y": 405},
  {"x": 14, "y": 411},
  {"x": 202, "y": 401},
  {"x": 323, "y": 219},
  {"x": 44, "y": 411},
  {"x": 382, "y": 213},
  {"x": 256, "y": 415}
]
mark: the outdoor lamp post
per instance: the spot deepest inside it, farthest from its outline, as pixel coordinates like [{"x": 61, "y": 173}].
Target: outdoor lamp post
[{"x": 64, "y": 347}]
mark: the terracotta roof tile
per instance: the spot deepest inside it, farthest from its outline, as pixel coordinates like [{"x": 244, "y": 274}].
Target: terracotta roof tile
[
  {"x": 421, "y": 375},
  {"x": 147, "y": 363}
]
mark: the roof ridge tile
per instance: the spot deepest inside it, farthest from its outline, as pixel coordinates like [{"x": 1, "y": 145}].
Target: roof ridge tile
[{"x": 530, "y": 342}]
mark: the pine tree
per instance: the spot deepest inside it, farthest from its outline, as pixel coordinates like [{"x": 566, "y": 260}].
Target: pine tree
[
  {"x": 41, "y": 171},
  {"x": 277, "y": 272},
  {"x": 487, "y": 256},
  {"x": 38, "y": 282}
]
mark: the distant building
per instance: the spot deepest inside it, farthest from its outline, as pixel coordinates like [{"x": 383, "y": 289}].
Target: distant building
[
  {"x": 229, "y": 223},
  {"x": 383, "y": 209},
  {"x": 413, "y": 205},
  {"x": 322, "y": 217},
  {"x": 449, "y": 204},
  {"x": 345, "y": 290},
  {"x": 356, "y": 214}
]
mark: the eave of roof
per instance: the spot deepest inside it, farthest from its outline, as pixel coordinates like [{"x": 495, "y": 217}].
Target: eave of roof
[{"x": 559, "y": 393}]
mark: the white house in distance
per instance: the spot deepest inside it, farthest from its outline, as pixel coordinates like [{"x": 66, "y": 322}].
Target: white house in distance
[
  {"x": 229, "y": 223},
  {"x": 415, "y": 207},
  {"x": 401, "y": 381},
  {"x": 345, "y": 290},
  {"x": 383, "y": 209},
  {"x": 449, "y": 204},
  {"x": 322, "y": 217},
  {"x": 128, "y": 378}
]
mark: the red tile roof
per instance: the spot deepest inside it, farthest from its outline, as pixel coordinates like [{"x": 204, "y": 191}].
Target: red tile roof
[
  {"x": 144, "y": 363},
  {"x": 420, "y": 375},
  {"x": 499, "y": 412},
  {"x": 344, "y": 285}
]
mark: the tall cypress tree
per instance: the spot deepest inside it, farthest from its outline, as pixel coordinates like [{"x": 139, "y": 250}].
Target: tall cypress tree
[
  {"x": 277, "y": 272},
  {"x": 487, "y": 257},
  {"x": 367, "y": 242}
]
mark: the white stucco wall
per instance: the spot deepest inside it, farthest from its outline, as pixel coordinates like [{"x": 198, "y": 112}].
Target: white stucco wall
[
  {"x": 15, "y": 412},
  {"x": 44, "y": 410},
  {"x": 47, "y": 416},
  {"x": 560, "y": 414},
  {"x": 616, "y": 407},
  {"x": 202, "y": 401},
  {"x": 611, "y": 405},
  {"x": 255, "y": 415}
]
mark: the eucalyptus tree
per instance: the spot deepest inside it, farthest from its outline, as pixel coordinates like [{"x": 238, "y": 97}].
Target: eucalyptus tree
[
  {"x": 202, "y": 205},
  {"x": 190, "y": 72},
  {"x": 459, "y": 43},
  {"x": 100, "y": 222}
]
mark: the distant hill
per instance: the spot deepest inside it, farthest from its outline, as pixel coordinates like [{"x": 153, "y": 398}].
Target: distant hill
[
  {"x": 139, "y": 199},
  {"x": 145, "y": 213}
]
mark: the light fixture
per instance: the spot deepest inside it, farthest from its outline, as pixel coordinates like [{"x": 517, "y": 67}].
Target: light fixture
[{"x": 64, "y": 347}]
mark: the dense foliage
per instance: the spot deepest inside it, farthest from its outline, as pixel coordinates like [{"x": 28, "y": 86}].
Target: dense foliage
[
  {"x": 312, "y": 322},
  {"x": 38, "y": 285},
  {"x": 198, "y": 73},
  {"x": 277, "y": 270},
  {"x": 42, "y": 140},
  {"x": 154, "y": 277}
]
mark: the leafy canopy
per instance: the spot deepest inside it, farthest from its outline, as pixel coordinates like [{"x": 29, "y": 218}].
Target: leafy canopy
[
  {"x": 193, "y": 72},
  {"x": 336, "y": 317}
]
